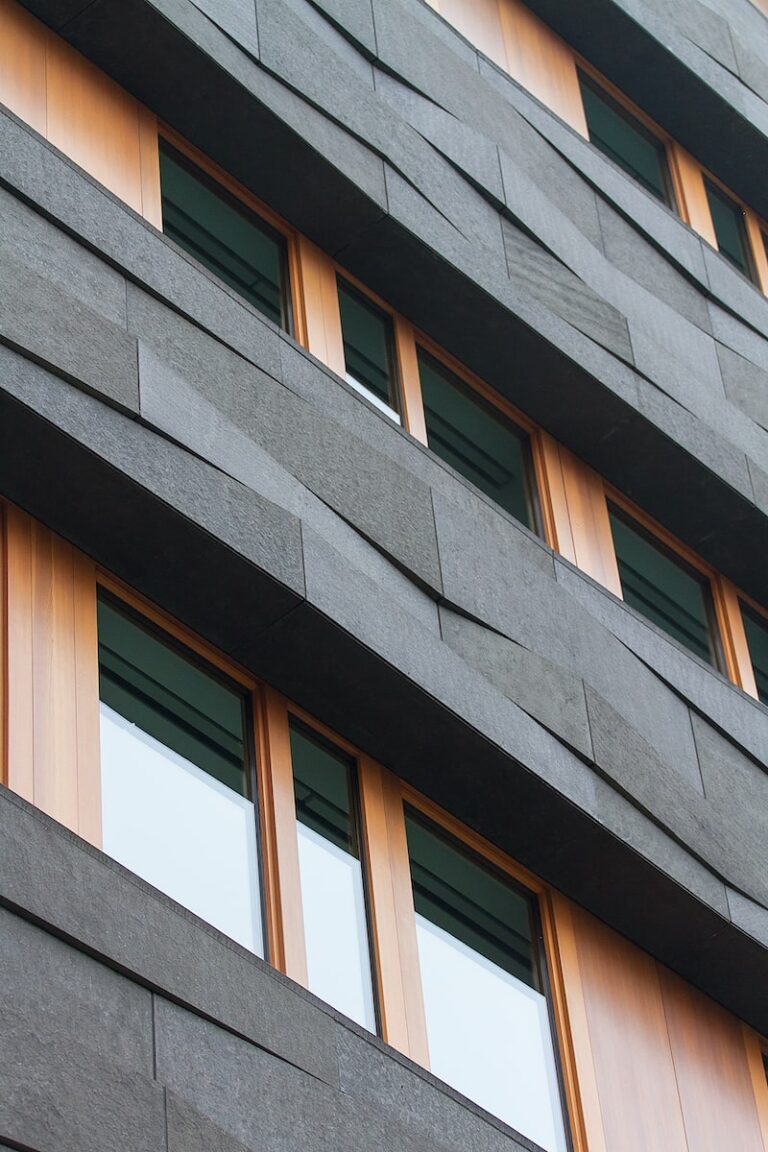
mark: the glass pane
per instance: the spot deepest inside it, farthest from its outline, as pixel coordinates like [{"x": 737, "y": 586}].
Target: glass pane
[
  {"x": 619, "y": 135},
  {"x": 756, "y": 628},
  {"x": 488, "y": 1026},
  {"x": 174, "y": 777},
  {"x": 368, "y": 346},
  {"x": 333, "y": 898},
  {"x": 476, "y": 439},
  {"x": 728, "y": 221},
  {"x": 223, "y": 235},
  {"x": 663, "y": 588}
]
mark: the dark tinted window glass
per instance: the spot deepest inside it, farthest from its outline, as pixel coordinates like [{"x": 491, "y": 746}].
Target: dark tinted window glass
[
  {"x": 477, "y": 440},
  {"x": 728, "y": 220},
  {"x": 168, "y": 696},
  {"x": 223, "y": 235},
  {"x": 323, "y": 784},
  {"x": 625, "y": 140},
  {"x": 471, "y": 902},
  {"x": 663, "y": 588},
  {"x": 368, "y": 345},
  {"x": 756, "y": 628}
]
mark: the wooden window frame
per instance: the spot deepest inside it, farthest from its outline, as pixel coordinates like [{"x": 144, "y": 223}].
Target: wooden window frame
[
  {"x": 754, "y": 230},
  {"x": 252, "y": 203}
]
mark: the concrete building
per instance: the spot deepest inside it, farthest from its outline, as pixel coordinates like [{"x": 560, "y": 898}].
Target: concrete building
[{"x": 383, "y": 575}]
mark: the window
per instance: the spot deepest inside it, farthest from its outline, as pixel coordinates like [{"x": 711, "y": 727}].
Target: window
[
  {"x": 624, "y": 139},
  {"x": 332, "y": 887},
  {"x": 756, "y": 628},
  {"x": 176, "y": 775},
  {"x": 476, "y": 439},
  {"x": 488, "y": 1024},
  {"x": 369, "y": 349},
  {"x": 664, "y": 588},
  {"x": 730, "y": 229},
  {"x": 224, "y": 235}
]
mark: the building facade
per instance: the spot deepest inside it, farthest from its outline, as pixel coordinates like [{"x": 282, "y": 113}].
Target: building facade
[{"x": 383, "y": 594}]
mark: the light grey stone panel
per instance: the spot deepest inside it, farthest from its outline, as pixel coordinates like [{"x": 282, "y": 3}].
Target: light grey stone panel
[
  {"x": 749, "y": 916},
  {"x": 746, "y": 385},
  {"x": 235, "y": 17},
  {"x": 83, "y": 895},
  {"x": 54, "y": 1094},
  {"x": 551, "y": 694},
  {"x": 62, "y": 993}
]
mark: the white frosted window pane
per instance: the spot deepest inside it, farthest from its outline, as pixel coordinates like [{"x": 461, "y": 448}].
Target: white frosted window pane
[
  {"x": 180, "y": 829},
  {"x": 335, "y": 930},
  {"x": 489, "y": 1036}
]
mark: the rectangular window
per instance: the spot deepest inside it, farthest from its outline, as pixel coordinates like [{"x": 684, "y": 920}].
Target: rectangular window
[
  {"x": 664, "y": 588},
  {"x": 224, "y": 235},
  {"x": 488, "y": 1025},
  {"x": 756, "y": 628},
  {"x": 730, "y": 229},
  {"x": 477, "y": 440},
  {"x": 331, "y": 871},
  {"x": 625, "y": 140},
  {"x": 369, "y": 349},
  {"x": 176, "y": 779}
]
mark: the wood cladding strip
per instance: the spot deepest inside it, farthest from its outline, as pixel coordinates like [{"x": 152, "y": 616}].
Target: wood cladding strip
[
  {"x": 52, "y": 671},
  {"x": 23, "y": 43},
  {"x": 711, "y": 1069},
  {"x": 590, "y": 528},
  {"x": 543, "y": 63},
  {"x": 321, "y": 321}
]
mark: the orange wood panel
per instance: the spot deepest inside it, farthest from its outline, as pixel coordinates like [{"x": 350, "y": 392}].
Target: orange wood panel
[
  {"x": 553, "y": 497},
  {"x": 20, "y": 696},
  {"x": 757, "y": 1072},
  {"x": 712, "y": 1071},
  {"x": 23, "y": 43},
  {"x": 53, "y": 720},
  {"x": 691, "y": 194},
  {"x": 383, "y": 910},
  {"x": 407, "y": 943},
  {"x": 410, "y": 382},
  {"x": 734, "y": 639},
  {"x": 94, "y": 121},
  {"x": 591, "y": 537},
  {"x": 756, "y": 239},
  {"x": 3, "y": 654},
  {"x": 542, "y": 62},
  {"x": 633, "y": 1062},
  {"x": 579, "y": 1070},
  {"x": 479, "y": 21},
  {"x": 320, "y": 329},
  {"x": 149, "y": 157},
  {"x": 284, "y": 907}
]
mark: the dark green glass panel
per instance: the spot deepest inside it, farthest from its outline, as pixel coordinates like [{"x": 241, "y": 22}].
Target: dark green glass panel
[
  {"x": 368, "y": 345},
  {"x": 617, "y": 134},
  {"x": 470, "y": 901},
  {"x": 476, "y": 440},
  {"x": 323, "y": 785},
  {"x": 223, "y": 235},
  {"x": 171, "y": 698},
  {"x": 756, "y": 628},
  {"x": 663, "y": 588},
  {"x": 731, "y": 234}
]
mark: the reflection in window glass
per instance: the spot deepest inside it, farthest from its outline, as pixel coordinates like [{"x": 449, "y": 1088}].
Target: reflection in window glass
[
  {"x": 174, "y": 777},
  {"x": 756, "y": 628},
  {"x": 488, "y": 1026},
  {"x": 664, "y": 588},
  {"x": 730, "y": 231},
  {"x": 477, "y": 439},
  {"x": 332, "y": 890},
  {"x": 369, "y": 348},
  {"x": 619, "y": 135},
  {"x": 224, "y": 235}
]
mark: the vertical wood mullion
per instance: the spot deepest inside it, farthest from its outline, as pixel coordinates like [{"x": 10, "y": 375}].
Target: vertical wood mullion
[
  {"x": 285, "y": 920},
  {"x": 552, "y": 495},
  {"x": 19, "y": 695},
  {"x": 757, "y": 246},
  {"x": 405, "y": 920},
  {"x": 410, "y": 381},
  {"x": 87, "y": 716},
  {"x": 688, "y": 179},
  {"x": 738, "y": 662},
  {"x": 149, "y": 159},
  {"x": 589, "y": 522},
  {"x": 320, "y": 318},
  {"x": 757, "y": 1075}
]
